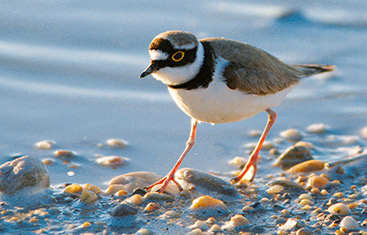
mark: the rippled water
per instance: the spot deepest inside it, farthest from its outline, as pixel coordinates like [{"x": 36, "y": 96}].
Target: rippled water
[{"x": 69, "y": 72}]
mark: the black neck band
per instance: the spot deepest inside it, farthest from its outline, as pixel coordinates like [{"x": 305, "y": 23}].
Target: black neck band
[{"x": 204, "y": 77}]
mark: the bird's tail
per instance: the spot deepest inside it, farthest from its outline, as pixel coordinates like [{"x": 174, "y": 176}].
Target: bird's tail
[{"x": 312, "y": 69}]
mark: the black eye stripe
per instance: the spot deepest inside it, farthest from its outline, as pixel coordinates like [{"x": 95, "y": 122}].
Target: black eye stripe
[{"x": 189, "y": 57}]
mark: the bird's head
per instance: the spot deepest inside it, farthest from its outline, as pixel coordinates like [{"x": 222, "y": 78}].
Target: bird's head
[{"x": 176, "y": 57}]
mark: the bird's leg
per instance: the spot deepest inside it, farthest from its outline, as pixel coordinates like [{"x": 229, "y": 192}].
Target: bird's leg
[
  {"x": 252, "y": 162},
  {"x": 170, "y": 176}
]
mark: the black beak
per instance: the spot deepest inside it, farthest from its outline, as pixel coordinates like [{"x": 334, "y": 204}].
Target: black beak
[{"x": 153, "y": 67}]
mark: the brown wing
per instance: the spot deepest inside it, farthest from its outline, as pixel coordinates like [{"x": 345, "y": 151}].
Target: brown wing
[{"x": 252, "y": 70}]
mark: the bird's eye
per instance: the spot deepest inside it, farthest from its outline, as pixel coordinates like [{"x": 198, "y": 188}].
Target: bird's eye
[{"x": 179, "y": 55}]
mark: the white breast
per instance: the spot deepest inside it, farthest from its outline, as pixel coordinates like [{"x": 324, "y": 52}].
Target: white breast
[{"x": 219, "y": 104}]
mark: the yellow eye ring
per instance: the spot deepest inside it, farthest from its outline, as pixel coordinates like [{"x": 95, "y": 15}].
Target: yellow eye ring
[{"x": 179, "y": 55}]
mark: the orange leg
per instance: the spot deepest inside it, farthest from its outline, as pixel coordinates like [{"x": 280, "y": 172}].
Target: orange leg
[
  {"x": 252, "y": 162},
  {"x": 170, "y": 176}
]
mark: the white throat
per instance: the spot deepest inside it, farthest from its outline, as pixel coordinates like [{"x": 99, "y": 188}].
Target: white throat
[{"x": 179, "y": 75}]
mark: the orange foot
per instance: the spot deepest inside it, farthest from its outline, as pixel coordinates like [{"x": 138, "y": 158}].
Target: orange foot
[{"x": 164, "y": 183}]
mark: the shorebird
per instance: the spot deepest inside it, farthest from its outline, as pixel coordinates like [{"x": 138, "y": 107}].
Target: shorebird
[{"x": 219, "y": 80}]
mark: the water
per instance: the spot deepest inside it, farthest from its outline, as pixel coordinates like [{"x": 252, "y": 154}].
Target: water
[{"x": 69, "y": 72}]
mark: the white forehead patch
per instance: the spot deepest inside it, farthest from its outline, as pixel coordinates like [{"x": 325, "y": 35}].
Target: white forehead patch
[
  {"x": 186, "y": 47},
  {"x": 158, "y": 55}
]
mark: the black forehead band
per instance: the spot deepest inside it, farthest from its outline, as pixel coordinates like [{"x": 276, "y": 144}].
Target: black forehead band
[{"x": 162, "y": 45}]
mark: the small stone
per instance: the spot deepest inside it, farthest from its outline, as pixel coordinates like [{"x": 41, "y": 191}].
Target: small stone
[
  {"x": 291, "y": 224},
  {"x": 170, "y": 215},
  {"x": 318, "y": 128},
  {"x": 339, "y": 209},
  {"x": 303, "y": 231},
  {"x": 73, "y": 189},
  {"x": 293, "y": 156},
  {"x": 338, "y": 195},
  {"x": 236, "y": 222},
  {"x": 92, "y": 188},
  {"x": 285, "y": 183},
  {"x": 144, "y": 231},
  {"x": 64, "y": 154},
  {"x": 199, "y": 224},
  {"x": 111, "y": 161},
  {"x": 364, "y": 133},
  {"x": 204, "y": 182},
  {"x": 307, "y": 166},
  {"x": 88, "y": 197},
  {"x": 48, "y": 161},
  {"x": 305, "y": 196},
  {"x": 152, "y": 206},
  {"x": 135, "y": 199},
  {"x": 196, "y": 231},
  {"x": 112, "y": 189},
  {"x": 121, "y": 193},
  {"x": 116, "y": 143},
  {"x": 305, "y": 202},
  {"x": 45, "y": 144},
  {"x": 154, "y": 196},
  {"x": 275, "y": 189},
  {"x": 317, "y": 182},
  {"x": 23, "y": 172},
  {"x": 123, "y": 210},
  {"x": 292, "y": 135},
  {"x": 208, "y": 205},
  {"x": 350, "y": 223},
  {"x": 215, "y": 228},
  {"x": 140, "y": 179},
  {"x": 238, "y": 161}
]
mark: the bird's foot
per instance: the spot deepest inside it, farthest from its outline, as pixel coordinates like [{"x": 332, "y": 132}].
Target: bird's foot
[{"x": 164, "y": 183}]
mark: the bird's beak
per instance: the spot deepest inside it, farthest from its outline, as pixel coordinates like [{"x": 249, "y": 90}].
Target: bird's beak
[{"x": 153, "y": 67}]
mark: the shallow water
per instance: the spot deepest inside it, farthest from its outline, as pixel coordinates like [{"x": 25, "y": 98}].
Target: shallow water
[{"x": 69, "y": 73}]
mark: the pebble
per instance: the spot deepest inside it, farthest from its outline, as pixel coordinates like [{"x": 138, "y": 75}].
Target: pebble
[
  {"x": 208, "y": 205},
  {"x": 305, "y": 196},
  {"x": 236, "y": 223},
  {"x": 64, "y": 154},
  {"x": 123, "y": 210},
  {"x": 349, "y": 223},
  {"x": 293, "y": 156},
  {"x": 286, "y": 183},
  {"x": 73, "y": 189},
  {"x": 111, "y": 161},
  {"x": 303, "y": 231},
  {"x": 92, "y": 188},
  {"x": 204, "y": 181},
  {"x": 305, "y": 202},
  {"x": 23, "y": 172},
  {"x": 292, "y": 135},
  {"x": 238, "y": 161},
  {"x": 48, "y": 161},
  {"x": 170, "y": 215},
  {"x": 307, "y": 166},
  {"x": 364, "y": 133},
  {"x": 144, "y": 231},
  {"x": 275, "y": 189},
  {"x": 339, "y": 209},
  {"x": 135, "y": 199},
  {"x": 152, "y": 206},
  {"x": 317, "y": 182},
  {"x": 116, "y": 143},
  {"x": 317, "y": 128},
  {"x": 88, "y": 197},
  {"x": 112, "y": 189},
  {"x": 291, "y": 224},
  {"x": 45, "y": 144},
  {"x": 199, "y": 224},
  {"x": 140, "y": 179}
]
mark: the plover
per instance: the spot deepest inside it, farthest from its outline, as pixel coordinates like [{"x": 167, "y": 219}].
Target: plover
[{"x": 219, "y": 80}]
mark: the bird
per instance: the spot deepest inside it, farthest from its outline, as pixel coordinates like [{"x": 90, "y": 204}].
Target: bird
[{"x": 218, "y": 80}]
